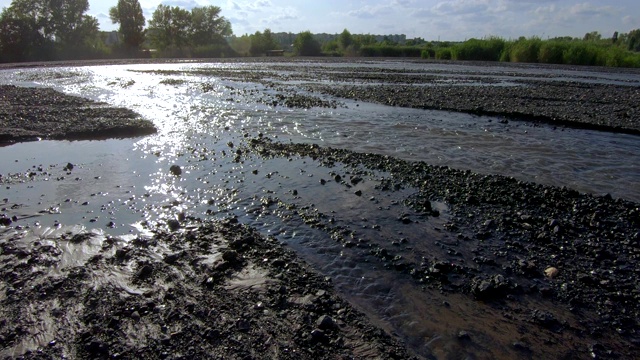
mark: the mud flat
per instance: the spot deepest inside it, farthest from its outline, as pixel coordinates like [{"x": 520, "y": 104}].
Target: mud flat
[
  {"x": 215, "y": 290},
  {"x": 516, "y": 269},
  {"x": 28, "y": 114}
]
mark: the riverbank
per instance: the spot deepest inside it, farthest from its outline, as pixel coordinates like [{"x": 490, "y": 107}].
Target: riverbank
[
  {"x": 222, "y": 291},
  {"x": 28, "y": 114},
  {"x": 495, "y": 267}
]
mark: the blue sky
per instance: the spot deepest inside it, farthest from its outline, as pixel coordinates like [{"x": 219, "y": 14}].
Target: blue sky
[{"x": 429, "y": 19}]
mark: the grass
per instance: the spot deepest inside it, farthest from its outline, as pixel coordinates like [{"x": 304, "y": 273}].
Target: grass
[{"x": 536, "y": 50}]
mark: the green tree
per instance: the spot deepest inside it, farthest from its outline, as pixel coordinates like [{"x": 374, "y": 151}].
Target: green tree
[
  {"x": 592, "y": 36},
  {"x": 306, "y": 45},
  {"x": 262, "y": 42},
  {"x": 169, "y": 27},
  {"x": 207, "y": 26},
  {"x": 633, "y": 40},
  {"x": 128, "y": 14},
  {"x": 20, "y": 39},
  {"x": 62, "y": 24},
  {"x": 345, "y": 39}
]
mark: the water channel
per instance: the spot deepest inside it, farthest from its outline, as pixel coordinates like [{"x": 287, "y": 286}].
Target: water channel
[{"x": 118, "y": 185}]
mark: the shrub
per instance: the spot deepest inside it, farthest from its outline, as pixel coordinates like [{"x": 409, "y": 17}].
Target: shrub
[
  {"x": 551, "y": 52},
  {"x": 524, "y": 50},
  {"x": 481, "y": 50},
  {"x": 444, "y": 53}
]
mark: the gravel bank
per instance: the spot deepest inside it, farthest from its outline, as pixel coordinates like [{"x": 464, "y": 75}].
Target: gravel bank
[
  {"x": 38, "y": 113},
  {"x": 215, "y": 290},
  {"x": 602, "y": 107}
]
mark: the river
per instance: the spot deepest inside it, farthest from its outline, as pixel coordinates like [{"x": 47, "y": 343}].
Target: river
[{"x": 122, "y": 186}]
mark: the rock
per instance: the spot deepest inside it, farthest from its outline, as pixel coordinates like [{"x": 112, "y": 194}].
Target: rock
[
  {"x": 358, "y": 193},
  {"x": 231, "y": 256},
  {"x": 144, "y": 272},
  {"x": 5, "y": 221},
  {"x": 173, "y": 224},
  {"x": 68, "y": 167},
  {"x": 318, "y": 335},
  {"x": 176, "y": 170},
  {"x": 551, "y": 272},
  {"x": 325, "y": 322}
]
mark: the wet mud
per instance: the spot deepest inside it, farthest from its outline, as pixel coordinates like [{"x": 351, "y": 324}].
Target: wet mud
[
  {"x": 28, "y": 114},
  {"x": 247, "y": 246}
]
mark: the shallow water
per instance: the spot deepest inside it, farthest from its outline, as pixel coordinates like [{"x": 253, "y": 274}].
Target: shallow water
[{"x": 123, "y": 186}]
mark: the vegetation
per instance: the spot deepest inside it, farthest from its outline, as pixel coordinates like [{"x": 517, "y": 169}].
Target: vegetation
[
  {"x": 128, "y": 14},
  {"x": 591, "y": 50},
  {"x": 176, "y": 32},
  {"x": 47, "y": 30},
  {"x": 306, "y": 45}
]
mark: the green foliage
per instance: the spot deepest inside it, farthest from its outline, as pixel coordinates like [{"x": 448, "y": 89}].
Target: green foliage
[
  {"x": 176, "y": 32},
  {"x": 382, "y": 50},
  {"x": 482, "y": 50},
  {"x": 345, "y": 39},
  {"x": 169, "y": 28},
  {"x": 47, "y": 30},
  {"x": 306, "y": 45},
  {"x": 261, "y": 42},
  {"x": 633, "y": 40},
  {"x": 551, "y": 51},
  {"x": 444, "y": 53},
  {"x": 128, "y": 14},
  {"x": 522, "y": 50},
  {"x": 207, "y": 26}
]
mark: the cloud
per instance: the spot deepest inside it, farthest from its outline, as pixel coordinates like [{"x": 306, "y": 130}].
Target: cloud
[
  {"x": 588, "y": 10},
  {"x": 370, "y": 12},
  {"x": 185, "y": 4}
]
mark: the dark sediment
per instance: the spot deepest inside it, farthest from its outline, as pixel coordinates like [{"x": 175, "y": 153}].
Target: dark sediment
[
  {"x": 575, "y": 253},
  {"x": 530, "y": 243},
  {"x": 36, "y": 113},
  {"x": 602, "y": 107},
  {"x": 222, "y": 292}
]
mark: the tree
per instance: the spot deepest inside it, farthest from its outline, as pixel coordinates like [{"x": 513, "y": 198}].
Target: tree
[
  {"x": 262, "y": 42},
  {"x": 633, "y": 40},
  {"x": 20, "y": 39},
  {"x": 62, "y": 24},
  {"x": 128, "y": 14},
  {"x": 207, "y": 26},
  {"x": 169, "y": 27},
  {"x": 345, "y": 39},
  {"x": 592, "y": 36},
  {"x": 306, "y": 45}
]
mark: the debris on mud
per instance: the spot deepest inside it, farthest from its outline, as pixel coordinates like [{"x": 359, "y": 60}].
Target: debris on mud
[
  {"x": 39, "y": 113},
  {"x": 214, "y": 290}
]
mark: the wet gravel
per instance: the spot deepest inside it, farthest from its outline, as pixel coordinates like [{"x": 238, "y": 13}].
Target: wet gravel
[
  {"x": 28, "y": 114},
  {"x": 221, "y": 291},
  {"x": 590, "y": 106},
  {"x": 538, "y": 252},
  {"x": 529, "y": 243}
]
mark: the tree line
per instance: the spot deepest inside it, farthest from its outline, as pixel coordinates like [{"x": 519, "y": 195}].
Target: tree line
[{"x": 41, "y": 30}]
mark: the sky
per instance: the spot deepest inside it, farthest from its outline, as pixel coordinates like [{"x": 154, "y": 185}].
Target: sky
[{"x": 453, "y": 20}]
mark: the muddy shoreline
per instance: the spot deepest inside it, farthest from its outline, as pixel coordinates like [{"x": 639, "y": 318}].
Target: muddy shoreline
[
  {"x": 560, "y": 267},
  {"x": 28, "y": 114}
]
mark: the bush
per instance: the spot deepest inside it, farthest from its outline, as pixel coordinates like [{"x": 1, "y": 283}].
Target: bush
[
  {"x": 551, "y": 52},
  {"x": 480, "y": 50},
  {"x": 523, "y": 50},
  {"x": 390, "y": 51},
  {"x": 444, "y": 53}
]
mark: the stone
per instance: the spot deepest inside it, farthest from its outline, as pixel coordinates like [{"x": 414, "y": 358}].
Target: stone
[
  {"x": 176, "y": 170},
  {"x": 325, "y": 322},
  {"x": 551, "y": 272}
]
